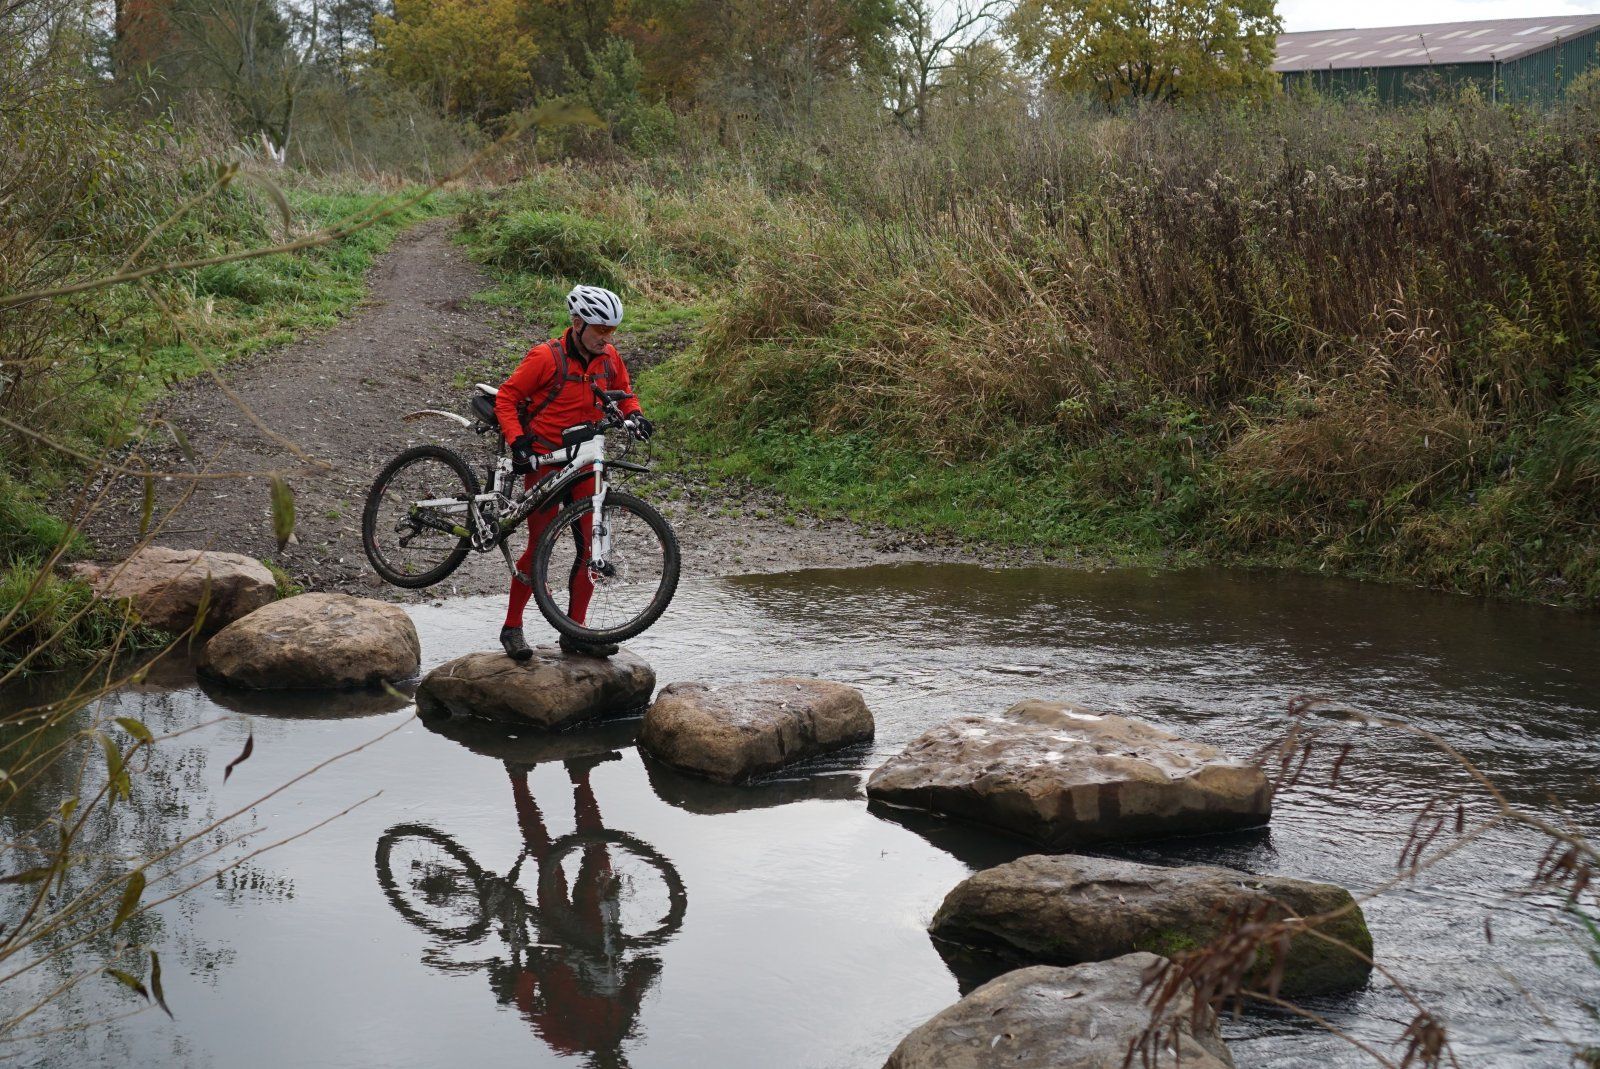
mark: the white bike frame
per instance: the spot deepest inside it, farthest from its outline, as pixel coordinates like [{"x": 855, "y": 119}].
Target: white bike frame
[{"x": 590, "y": 454}]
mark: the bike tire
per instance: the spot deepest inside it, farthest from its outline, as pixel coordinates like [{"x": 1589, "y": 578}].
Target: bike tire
[
  {"x": 369, "y": 517},
  {"x": 668, "y": 585},
  {"x": 392, "y": 884},
  {"x": 570, "y": 928}
]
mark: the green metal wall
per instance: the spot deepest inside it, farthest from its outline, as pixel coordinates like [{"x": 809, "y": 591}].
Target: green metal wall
[
  {"x": 1546, "y": 74},
  {"x": 1542, "y": 76}
]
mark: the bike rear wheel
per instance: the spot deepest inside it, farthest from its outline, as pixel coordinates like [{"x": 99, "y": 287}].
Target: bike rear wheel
[
  {"x": 636, "y": 585},
  {"x": 415, "y": 509}
]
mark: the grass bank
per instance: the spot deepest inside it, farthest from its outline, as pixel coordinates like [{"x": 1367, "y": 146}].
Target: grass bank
[
  {"x": 1313, "y": 335},
  {"x": 79, "y": 371}
]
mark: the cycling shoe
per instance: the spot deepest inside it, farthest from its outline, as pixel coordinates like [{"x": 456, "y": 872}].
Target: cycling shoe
[{"x": 515, "y": 645}]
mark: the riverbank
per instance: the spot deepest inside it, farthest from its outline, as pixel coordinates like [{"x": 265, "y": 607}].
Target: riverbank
[
  {"x": 95, "y": 373},
  {"x": 1315, "y": 336},
  {"x": 334, "y": 404}
]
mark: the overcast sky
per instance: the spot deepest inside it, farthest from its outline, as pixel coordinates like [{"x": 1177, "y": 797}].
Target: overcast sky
[{"x": 1321, "y": 15}]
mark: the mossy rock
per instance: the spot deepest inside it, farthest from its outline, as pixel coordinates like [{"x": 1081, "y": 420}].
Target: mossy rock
[{"x": 1062, "y": 910}]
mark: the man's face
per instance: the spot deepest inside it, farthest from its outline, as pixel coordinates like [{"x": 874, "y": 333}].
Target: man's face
[{"x": 593, "y": 338}]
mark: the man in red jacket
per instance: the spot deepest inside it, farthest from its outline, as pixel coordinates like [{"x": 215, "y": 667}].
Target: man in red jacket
[{"x": 551, "y": 390}]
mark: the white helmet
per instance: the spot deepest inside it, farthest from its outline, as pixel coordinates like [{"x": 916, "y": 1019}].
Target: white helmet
[{"x": 595, "y": 306}]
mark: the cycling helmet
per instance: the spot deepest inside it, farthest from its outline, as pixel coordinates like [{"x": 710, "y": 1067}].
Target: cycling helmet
[{"x": 595, "y": 306}]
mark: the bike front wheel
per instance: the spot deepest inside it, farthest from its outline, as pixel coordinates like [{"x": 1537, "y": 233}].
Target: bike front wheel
[
  {"x": 620, "y": 598},
  {"x": 416, "y": 509}
]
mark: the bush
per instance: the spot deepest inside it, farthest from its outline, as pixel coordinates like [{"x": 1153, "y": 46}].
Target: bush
[
  {"x": 563, "y": 244},
  {"x": 242, "y": 280}
]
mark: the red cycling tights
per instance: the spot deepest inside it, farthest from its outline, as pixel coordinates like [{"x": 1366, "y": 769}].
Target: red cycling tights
[{"x": 580, "y": 587}]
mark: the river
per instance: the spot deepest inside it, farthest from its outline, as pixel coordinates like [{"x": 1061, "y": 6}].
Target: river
[{"x": 785, "y": 924}]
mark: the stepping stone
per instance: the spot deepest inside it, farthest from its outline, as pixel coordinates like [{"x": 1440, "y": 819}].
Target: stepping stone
[
  {"x": 733, "y": 733},
  {"x": 167, "y": 586},
  {"x": 1067, "y": 909},
  {"x": 1051, "y": 1018},
  {"x": 1066, "y": 777},
  {"x": 550, "y": 690},
  {"x": 315, "y": 641},
  {"x": 523, "y": 745}
]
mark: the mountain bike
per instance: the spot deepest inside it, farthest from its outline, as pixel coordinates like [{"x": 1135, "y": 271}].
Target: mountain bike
[
  {"x": 427, "y": 510},
  {"x": 433, "y": 882}
]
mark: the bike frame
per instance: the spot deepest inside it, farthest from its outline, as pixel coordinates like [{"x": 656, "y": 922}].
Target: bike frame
[{"x": 578, "y": 463}]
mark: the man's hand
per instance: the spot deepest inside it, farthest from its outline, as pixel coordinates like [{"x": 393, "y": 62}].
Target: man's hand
[
  {"x": 642, "y": 428},
  {"x": 522, "y": 455}
]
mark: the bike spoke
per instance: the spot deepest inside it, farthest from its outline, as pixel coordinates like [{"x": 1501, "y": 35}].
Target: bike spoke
[
  {"x": 624, "y": 589},
  {"x": 410, "y": 547}
]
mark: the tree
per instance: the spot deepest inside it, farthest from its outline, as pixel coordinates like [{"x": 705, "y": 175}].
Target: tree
[
  {"x": 779, "y": 54},
  {"x": 928, "y": 37},
  {"x": 348, "y": 34},
  {"x": 1150, "y": 49},
  {"x": 257, "y": 54},
  {"x": 981, "y": 75},
  {"x": 471, "y": 55}
]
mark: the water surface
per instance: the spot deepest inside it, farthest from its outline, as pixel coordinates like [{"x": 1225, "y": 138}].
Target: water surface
[{"x": 463, "y": 913}]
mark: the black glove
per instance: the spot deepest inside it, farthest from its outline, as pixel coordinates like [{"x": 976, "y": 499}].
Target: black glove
[
  {"x": 642, "y": 428},
  {"x": 522, "y": 455}
]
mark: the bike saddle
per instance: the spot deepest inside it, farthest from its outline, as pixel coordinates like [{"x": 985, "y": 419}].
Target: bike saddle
[{"x": 483, "y": 396}]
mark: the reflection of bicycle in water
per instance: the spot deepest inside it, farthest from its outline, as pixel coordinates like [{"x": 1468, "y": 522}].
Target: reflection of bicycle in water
[{"x": 600, "y": 898}]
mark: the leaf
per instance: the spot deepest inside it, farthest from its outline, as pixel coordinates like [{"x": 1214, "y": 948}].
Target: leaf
[
  {"x": 29, "y": 875},
  {"x": 200, "y": 610},
  {"x": 148, "y": 505},
  {"x": 135, "y": 728},
  {"x": 282, "y": 511},
  {"x": 183, "y": 444},
  {"x": 67, "y": 808},
  {"x": 244, "y": 755},
  {"x": 155, "y": 984},
  {"x": 130, "y": 899},
  {"x": 128, "y": 980},
  {"x": 276, "y": 194},
  {"x": 114, "y": 771}
]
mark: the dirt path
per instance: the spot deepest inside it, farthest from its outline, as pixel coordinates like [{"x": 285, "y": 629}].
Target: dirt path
[{"x": 339, "y": 397}]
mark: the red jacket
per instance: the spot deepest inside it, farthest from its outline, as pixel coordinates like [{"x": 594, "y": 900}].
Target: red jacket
[{"x": 520, "y": 404}]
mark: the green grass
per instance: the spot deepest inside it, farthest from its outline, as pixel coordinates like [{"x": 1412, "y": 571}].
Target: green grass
[
  {"x": 59, "y": 618},
  {"x": 218, "y": 314},
  {"x": 229, "y": 310},
  {"x": 1023, "y": 498},
  {"x": 287, "y": 587}
]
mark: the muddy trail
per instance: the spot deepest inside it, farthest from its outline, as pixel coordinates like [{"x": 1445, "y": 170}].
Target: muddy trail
[{"x": 326, "y": 411}]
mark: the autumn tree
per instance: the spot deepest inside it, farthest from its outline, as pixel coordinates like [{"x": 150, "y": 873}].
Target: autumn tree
[
  {"x": 779, "y": 54},
  {"x": 471, "y": 56},
  {"x": 255, "y": 55},
  {"x": 929, "y": 36},
  {"x": 1150, "y": 49}
]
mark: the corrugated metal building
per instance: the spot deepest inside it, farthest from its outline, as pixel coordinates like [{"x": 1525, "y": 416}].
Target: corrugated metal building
[{"x": 1519, "y": 60}]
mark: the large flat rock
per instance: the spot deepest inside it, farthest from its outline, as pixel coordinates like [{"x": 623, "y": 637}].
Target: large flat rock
[
  {"x": 167, "y": 586},
  {"x": 1043, "y": 1017},
  {"x": 551, "y": 690},
  {"x": 1067, "y": 909},
  {"x": 730, "y": 734},
  {"x": 1065, "y": 777},
  {"x": 315, "y": 641}
]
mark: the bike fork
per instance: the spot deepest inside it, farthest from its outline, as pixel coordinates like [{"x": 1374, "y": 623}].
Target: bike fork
[{"x": 600, "y": 534}]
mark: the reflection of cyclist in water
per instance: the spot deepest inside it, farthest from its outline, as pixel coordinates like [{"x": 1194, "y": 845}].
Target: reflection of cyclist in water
[
  {"x": 586, "y": 998},
  {"x": 575, "y": 972}
]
